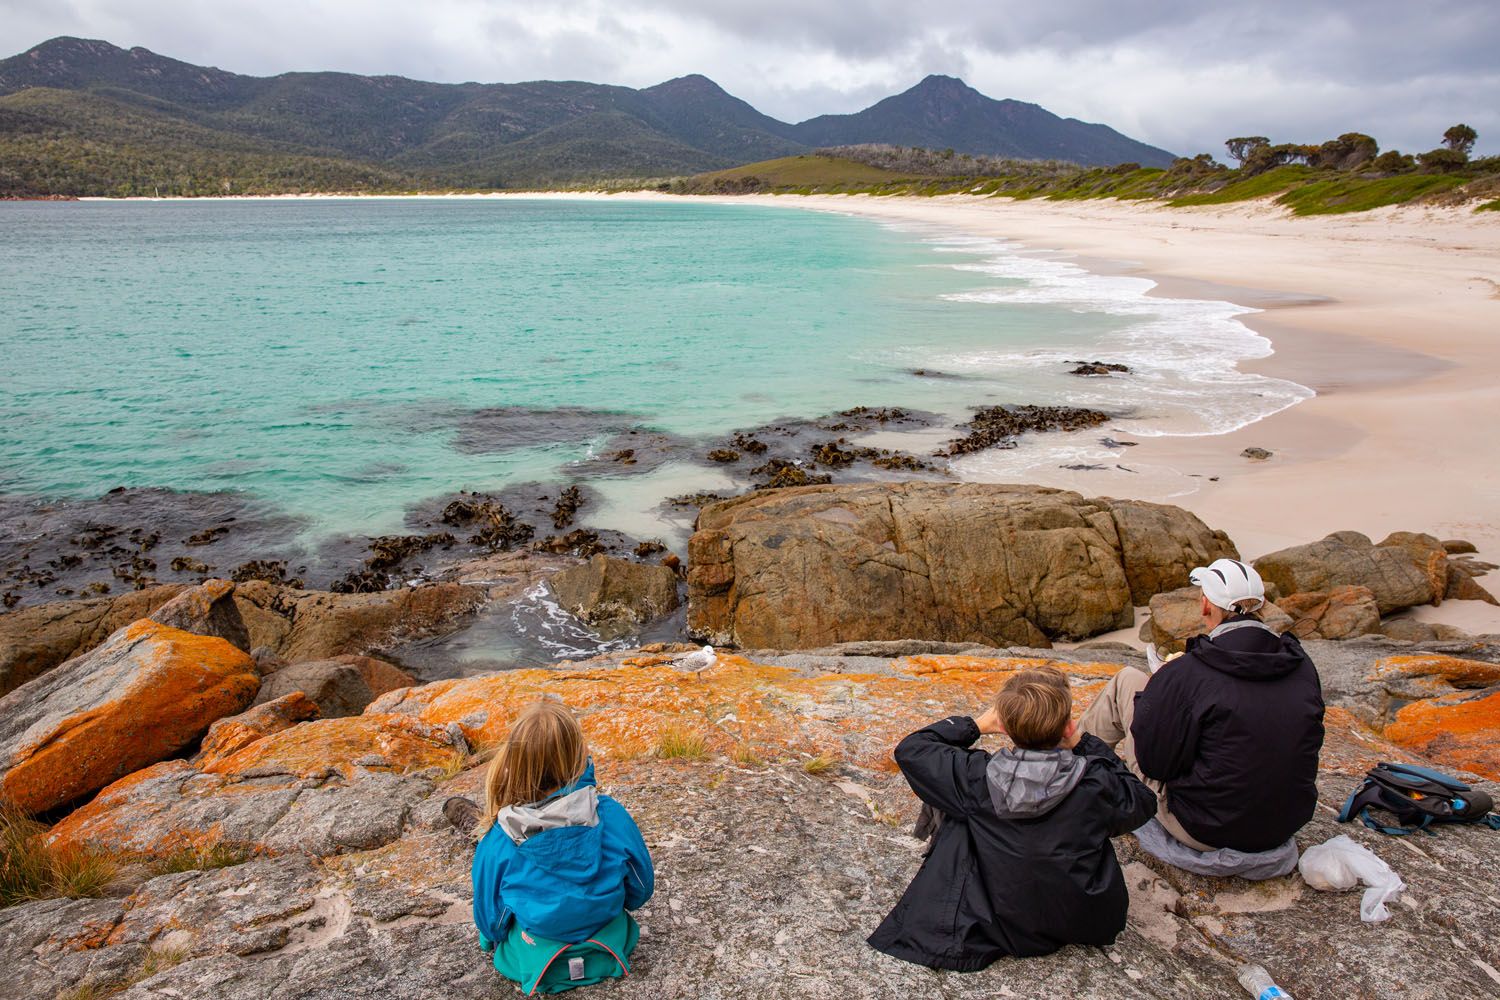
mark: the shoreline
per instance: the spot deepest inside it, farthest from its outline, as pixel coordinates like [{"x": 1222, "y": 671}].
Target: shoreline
[
  {"x": 1349, "y": 304},
  {"x": 1385, "y": 314}
]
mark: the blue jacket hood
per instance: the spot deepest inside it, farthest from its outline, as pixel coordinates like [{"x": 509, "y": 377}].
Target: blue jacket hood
[{"x": 568, "y": 877}]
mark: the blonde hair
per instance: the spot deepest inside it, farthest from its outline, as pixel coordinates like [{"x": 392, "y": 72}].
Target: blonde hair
[
  {"x": 544, "y": 751},
  {"x": 1034, "y": 707}
]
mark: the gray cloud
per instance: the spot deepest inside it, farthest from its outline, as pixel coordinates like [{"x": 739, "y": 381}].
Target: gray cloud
[{"x": 1183, "y": 74}]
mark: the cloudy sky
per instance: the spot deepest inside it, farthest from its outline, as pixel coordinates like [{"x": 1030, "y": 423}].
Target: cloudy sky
[{"x": 1182, "y": 74}]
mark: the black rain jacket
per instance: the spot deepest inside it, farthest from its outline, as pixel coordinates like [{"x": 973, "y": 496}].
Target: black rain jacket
[
  {"x": 1233, "y": 729},
  {"x": 1001, "y": 881}
]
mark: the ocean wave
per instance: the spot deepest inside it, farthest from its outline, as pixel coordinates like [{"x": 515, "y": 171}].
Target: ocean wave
[
  {"x": 538, "y": 619},
  {"x": 1184, "y": 354}
]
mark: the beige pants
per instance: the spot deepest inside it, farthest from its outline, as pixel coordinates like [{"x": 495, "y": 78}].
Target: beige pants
[{"x": 1109, "y": 719}]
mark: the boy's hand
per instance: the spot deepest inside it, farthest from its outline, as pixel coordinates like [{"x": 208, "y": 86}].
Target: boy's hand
[{"x": 989, "y": 723}]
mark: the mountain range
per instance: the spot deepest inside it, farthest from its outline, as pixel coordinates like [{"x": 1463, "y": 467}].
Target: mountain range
[{"x": 81, "y": 112}]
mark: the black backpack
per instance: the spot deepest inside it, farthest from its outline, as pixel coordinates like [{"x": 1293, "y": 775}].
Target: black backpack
[{"x": 1418, "y": 797}]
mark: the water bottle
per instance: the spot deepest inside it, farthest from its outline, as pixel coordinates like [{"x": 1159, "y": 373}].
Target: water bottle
[{"x": 1259, "y": 984}]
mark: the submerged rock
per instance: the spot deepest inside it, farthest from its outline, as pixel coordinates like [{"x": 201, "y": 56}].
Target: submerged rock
[
  {"x": 1097, "y": 368},
  {"x": 999, "y": 426},
  {"x": 145, "y": 694}
]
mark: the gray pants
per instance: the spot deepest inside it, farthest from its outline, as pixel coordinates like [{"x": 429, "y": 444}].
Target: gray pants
[{"x": 1109, "y": 719}]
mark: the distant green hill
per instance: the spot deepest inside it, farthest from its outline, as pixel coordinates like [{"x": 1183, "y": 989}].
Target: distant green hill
[
  {"x": 887, "y": 170},
  {"x": 86, "y": 117}
]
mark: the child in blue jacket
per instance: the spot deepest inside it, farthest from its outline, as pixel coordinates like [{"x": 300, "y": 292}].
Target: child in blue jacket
[{"x": 560, "y": 865}]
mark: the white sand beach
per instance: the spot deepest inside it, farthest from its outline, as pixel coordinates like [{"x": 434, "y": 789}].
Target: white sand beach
[{"x": 1392, "y": 316}]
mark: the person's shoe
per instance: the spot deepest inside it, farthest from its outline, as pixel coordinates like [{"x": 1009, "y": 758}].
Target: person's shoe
[{"x": 462, "y": 813}]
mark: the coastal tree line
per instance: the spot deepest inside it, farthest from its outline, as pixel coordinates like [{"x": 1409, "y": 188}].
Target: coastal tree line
[
  {"x": 1344, "y": 174},
  {"x": 1353, "y": 150}
]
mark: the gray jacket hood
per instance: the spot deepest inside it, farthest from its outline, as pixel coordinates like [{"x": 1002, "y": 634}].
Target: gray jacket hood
[
  {"x": 1027, "y": 783},
  {"x": 577, "y": 808}
]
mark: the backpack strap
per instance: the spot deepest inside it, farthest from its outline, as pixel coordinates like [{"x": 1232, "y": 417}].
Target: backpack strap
[
  {"x": 1350, "y": 810},
  {"x": 1396, "y": 831}
]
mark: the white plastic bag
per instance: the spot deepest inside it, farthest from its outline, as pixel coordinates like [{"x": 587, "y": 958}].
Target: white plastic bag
[{"x": 1340, "y": 864}]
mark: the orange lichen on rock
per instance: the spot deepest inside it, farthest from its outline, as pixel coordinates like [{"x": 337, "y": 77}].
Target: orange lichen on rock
[
  {"x": 1450, "y": 671},
  {"x": 1464, "y": 734},
  {"x": 737, "y": 707},
  {"x": 397, "y": 742},
  {"x": 647, "y": 660},
  {"x": 85, "y": 825},
  {"x": 945, "y": 665},
  {"x": 142, "y": 696},
  {"x": 229, "y": 735}
]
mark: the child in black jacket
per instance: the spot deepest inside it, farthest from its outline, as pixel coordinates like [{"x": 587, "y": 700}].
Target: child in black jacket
[{"x": 1021, "y": 863}]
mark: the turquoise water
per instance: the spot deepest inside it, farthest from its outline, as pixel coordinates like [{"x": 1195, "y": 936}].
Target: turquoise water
[{"x": 324, "y": 355}]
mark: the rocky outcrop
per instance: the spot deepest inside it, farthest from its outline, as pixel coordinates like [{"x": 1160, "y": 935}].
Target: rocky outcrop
[
  {"x": 325, "y": 786},
  {"x": 293, "y": 624},
  {"x": 34, "y": 640},
  {"x": 340, "y": 686},
  {"x": 316, "y": 625},
  {"x": 961, "y": 562},
  {"x": 1429, "y": 555},
  {"x": 227, "y": 736},
  {"x": 1411, "y": 630},
  {"x": 1459, "y": 731},
  {"x": 769, "y": 875},
  {"x": 1463, "y": 587},
  {"x": 616, "y": 595},
  {"x": 149, "y": 691},
  {"x": 1341, "y": 613},
  {"x": 1445, "y": 707},
  {"x": 1397, "y": 578},
  {"x": 1161, "y": 544},
  {"x": 207, "y": 609},
  {"x": 1176, "y": 617}
]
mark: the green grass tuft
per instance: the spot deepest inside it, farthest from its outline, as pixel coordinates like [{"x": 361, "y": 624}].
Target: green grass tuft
[
  {"x": 192, "y": 859},
  {"x": 679, "y": 744},
  {"x": 821, "y": 764},
  {"x": 30, "y": 870}
]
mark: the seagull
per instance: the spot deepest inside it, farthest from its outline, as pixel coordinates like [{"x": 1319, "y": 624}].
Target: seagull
[{"x": 698, "y": 663}]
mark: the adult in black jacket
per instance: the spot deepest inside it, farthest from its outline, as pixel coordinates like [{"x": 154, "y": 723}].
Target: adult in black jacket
[
  {"x": 1021, "y": 863},
  {"x": 1228, "y": 734}
]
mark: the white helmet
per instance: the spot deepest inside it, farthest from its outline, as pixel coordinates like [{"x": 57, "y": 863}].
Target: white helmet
[{"x": 1227, "y": 582}]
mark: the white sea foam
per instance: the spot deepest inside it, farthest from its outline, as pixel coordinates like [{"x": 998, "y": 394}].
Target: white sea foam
[{"x": 1183, "y": 354}]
